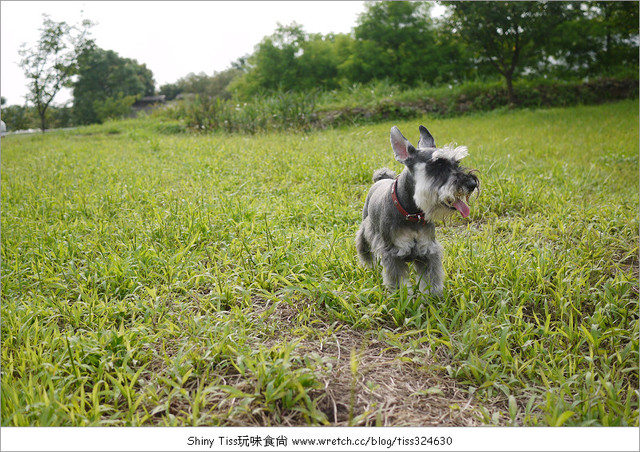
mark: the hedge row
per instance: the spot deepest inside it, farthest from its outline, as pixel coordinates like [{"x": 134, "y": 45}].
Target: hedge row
[{"x": 304, "y": 111}]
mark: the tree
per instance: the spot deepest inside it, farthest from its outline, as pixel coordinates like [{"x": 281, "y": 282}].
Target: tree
[
  {"x": 618, "y": 32},
  {"x": 506, "y": 35},
  {"x": 18, "y": 117},
  {"x": 318, "y": 60},
  {"x": 273, "y": 65},
  {"x": 292, "y": 60},
  {"x": 106, "y": 78},
  {"x": 397, "y": 41},
  {"x": 600, "y": 38},
  {"x": 202, "y": 84},
  {"x": 50, "y": 65}
]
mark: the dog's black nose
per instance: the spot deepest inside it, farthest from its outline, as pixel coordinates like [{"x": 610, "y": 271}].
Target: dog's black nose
[{"x": 471, "y": 184}]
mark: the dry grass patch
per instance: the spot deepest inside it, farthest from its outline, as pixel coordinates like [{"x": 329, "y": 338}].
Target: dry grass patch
[{"x": 368, "y": 382}]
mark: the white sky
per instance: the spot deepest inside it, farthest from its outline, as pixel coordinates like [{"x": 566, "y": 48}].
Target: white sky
[{"x": 172, "y": 38}]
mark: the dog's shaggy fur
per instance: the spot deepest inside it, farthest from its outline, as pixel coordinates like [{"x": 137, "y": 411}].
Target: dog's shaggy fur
[{"x": 431, "y": 187}]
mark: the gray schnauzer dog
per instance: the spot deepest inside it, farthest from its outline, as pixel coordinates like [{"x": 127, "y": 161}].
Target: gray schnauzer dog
[{"x": 399, "y": 212}]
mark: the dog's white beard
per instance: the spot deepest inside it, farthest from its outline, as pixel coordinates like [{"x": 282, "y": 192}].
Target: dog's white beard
[{"x": 429, "y": 198}]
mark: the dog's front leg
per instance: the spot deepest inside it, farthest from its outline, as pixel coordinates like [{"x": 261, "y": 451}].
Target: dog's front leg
[
  {"x": 394, "y": 272},
  {"x": 430, "y": 274}
]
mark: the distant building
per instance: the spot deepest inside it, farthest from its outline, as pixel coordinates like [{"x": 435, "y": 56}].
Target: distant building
[
  {"x": 148, "y": 102},
  {"x": 3, "y": 128}
]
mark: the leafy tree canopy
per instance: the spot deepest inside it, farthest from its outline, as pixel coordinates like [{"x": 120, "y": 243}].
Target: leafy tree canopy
[
  {"x": 597, "y": 38},
  {"x": 202, "y": 84},
  {"x": 102, "y": 75},
  {"x": 507, "y": 35},
  {"x": 50, "y": 64},
  {"x": 289, "y": 59},
  {"x": 396, "y": 41}
]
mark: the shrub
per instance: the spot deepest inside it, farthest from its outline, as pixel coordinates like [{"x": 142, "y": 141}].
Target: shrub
[
  {"x": 113, "y": 107},
  {"x": 278, "y": 112},
  {"x": 380, "y": 101}
]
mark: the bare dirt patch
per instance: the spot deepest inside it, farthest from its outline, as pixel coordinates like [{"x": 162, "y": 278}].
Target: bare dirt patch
[{"x": 367, "y": 382}]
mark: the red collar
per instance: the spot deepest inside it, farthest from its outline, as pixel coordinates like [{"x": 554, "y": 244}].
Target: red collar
[{"x": 419, "y": 217}]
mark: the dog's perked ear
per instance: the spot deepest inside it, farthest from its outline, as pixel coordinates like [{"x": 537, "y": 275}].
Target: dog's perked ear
[
  {"x": 426, "y": 139},
  {"x": 401, "y": 146}
]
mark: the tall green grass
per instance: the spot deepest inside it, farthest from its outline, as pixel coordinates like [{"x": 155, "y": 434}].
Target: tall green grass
[{"x": 144, "y": 273}]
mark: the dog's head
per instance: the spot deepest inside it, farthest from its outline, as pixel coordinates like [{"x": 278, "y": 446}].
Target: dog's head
[{"x": 441, "y": 184}]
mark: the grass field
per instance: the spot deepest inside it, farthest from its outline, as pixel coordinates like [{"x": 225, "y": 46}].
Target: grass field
[{"x": 151, "y": 278}]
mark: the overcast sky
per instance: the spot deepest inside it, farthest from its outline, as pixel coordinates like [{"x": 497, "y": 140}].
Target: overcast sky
[{"x": 172, "y": 38}]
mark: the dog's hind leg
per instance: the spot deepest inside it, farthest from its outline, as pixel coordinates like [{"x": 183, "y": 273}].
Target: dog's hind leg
[
  {"x": 430, "y": 274},
  {"x": 364, "y": 248}
]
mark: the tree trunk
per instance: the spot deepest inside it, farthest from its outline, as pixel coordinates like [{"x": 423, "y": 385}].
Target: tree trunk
[
  {"x": 41, "y": 113},
  {"x": 510, "y": 94}
]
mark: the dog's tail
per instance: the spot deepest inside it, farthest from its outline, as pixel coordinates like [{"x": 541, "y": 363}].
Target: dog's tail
[{"x": 383, "y": 173}]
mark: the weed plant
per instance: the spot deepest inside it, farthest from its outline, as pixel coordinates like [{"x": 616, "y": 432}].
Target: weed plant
[
  {"x": 160, "y": 278},
  {"x": 279, "y": 112}
]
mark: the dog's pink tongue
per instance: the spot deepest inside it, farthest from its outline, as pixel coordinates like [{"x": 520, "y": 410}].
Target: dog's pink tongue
[{"x": 462, "y": 208}]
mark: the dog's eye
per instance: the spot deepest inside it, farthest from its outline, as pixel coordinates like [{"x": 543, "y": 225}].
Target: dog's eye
[{"x": 442, "y": 166}]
